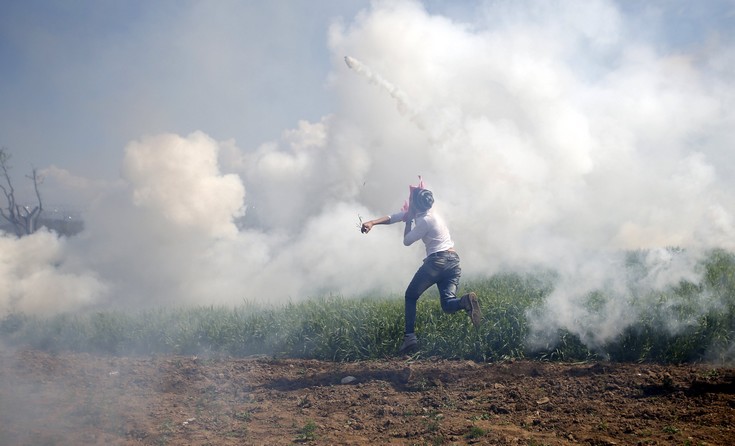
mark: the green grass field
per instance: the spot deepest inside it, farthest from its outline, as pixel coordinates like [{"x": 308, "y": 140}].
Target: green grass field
[{"x": 348, "y": 329}]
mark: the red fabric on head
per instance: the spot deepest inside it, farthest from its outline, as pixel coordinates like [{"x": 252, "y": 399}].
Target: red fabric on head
[{"x": 407, "y": 203}]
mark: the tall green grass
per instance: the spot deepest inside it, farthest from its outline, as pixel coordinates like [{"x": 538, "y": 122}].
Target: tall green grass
[{"x": 348, "y": 329}]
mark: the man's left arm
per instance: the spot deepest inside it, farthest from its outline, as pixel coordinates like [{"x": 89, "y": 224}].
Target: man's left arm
[
  {"x": 406, "y": 232},
  {"x": 415, "y": 233}
]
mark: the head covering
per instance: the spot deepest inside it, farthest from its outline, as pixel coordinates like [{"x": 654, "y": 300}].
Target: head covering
[{"x": 423, "y": 199}]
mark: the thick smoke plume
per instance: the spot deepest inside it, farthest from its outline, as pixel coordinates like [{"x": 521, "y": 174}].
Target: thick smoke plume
[{"x": 553, "y": 136}]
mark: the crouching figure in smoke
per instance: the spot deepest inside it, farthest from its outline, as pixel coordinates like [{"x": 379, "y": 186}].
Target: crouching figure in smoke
[{"x": 440, "y": 267}]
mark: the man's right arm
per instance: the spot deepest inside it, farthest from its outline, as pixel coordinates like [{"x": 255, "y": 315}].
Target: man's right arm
[{"x": 386, "y": 220}]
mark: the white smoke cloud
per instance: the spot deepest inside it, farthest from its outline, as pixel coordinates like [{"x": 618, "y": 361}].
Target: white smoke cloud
[
  {"x": 552, "y": 136},
  {"x": 36, "y": 278},
  {"x": 179, "y": 179}
]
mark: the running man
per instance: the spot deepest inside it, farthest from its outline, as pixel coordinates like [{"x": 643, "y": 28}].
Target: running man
[{"x": 440, "y": 267}]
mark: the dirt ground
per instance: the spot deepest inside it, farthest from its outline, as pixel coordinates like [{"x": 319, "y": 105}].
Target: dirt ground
[{"x": 80, "y": 399}]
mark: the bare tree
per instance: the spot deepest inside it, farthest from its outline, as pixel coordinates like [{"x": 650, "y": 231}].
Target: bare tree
[{"x": 23, "y": 218}]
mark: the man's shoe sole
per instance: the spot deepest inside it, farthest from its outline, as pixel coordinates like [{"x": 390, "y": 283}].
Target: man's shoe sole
[{"x": 475, "y": 313}]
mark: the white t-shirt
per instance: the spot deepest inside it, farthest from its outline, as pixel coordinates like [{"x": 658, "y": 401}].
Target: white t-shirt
[{"x": 429, "y": 228}]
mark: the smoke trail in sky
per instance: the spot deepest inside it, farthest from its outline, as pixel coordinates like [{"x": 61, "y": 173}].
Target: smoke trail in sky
[
  {"x": 553, "y": 136},
  {"x": 402, "y": 101}
]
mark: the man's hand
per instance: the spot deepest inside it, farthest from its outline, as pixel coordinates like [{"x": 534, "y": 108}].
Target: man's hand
[
  {"x": 410, "y": 214},
  {"x": 366, "y": 227}
]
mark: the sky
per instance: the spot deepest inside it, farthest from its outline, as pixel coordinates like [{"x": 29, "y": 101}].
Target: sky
[
  {"x": 222, "y": 152},
  {"x": 81, "y": 79}
]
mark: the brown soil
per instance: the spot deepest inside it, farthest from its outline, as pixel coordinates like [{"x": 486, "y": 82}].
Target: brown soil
[{"x": 79, "y": 399}]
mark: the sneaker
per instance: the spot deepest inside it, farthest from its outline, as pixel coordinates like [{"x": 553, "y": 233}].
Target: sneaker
[
  {"x": 472, "y": 306},
  {"x": 409, "y": 343}
]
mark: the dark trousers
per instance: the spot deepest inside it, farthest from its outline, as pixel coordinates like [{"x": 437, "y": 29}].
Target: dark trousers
[{"x": 442, "y": 269}]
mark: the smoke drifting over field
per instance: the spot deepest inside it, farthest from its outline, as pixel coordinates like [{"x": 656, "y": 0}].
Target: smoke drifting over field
[{"x": 552, "y": 136}]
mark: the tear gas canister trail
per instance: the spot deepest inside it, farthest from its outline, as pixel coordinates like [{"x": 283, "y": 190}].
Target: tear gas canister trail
[{"x": 402, "y": 101}]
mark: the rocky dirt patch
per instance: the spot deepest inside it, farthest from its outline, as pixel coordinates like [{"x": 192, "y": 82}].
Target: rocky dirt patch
[{"x": 79, "y": 399}]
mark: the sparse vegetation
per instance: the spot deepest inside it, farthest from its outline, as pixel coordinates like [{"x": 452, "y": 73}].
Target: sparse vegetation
[
  {"x": 475, "y": 432},
  {"x": 348, "y": 329},
  {"x": 308, "y": 432}
]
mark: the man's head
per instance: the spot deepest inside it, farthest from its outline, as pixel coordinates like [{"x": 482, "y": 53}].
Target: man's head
[{"x": 422, "y": 200}]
